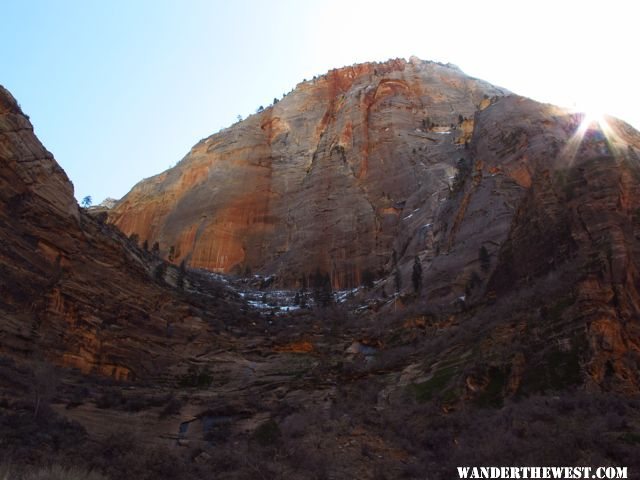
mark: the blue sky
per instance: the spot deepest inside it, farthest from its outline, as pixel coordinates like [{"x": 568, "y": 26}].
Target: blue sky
[{"x": 121, "y": 90}]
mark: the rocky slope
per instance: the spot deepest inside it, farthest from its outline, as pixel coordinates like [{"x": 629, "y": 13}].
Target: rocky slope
[
  {"x": 73, "y": 290},
  {"x": 324, "y": 180},
  {"x": 525, "y": 322},
  {"x": 531, "y": 266},
  {"x": 367, "y": 168},
  {"x": 376, "y": 167}
]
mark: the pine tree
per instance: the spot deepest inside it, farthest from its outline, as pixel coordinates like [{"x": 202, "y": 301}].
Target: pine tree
[
  {"x": 367, "y": 279},
  {"x": 464, "y": 171},
  {"x": 322, "y": 288},
  {"x": 416, "y": 275},
  {"x": 181, "y": 274},
  {"x": 159, "y": 271},
  {"x": 396, "y": 274},
  {"x": 485, "y": 259}
]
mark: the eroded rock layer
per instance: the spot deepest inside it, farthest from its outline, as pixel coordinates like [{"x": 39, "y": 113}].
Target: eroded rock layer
[
  {"x": 522, "y": 220},
  {"x": 320, "y": 181},
  {"x": 72, "y": 289},
  {"x": 539, "y": 243}
]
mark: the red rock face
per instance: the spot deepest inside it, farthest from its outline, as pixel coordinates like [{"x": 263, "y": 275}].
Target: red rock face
[
  {"x": 523, "y": 228},
  {"x": 320, "y": 180},
  {"x": 363, "y": 162},
  {"x": 73, "y": 290}
]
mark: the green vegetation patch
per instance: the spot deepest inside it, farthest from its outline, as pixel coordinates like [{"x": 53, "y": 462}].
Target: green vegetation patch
[
  {"x": 196, "y": 378},
  {"x": 557, "y": 370},
  {"x": 631, "y": 438},
  {"x": 268, "y": 433},
  {"x": 425, "y": 391},
  {"x": 493, "y": 395}
]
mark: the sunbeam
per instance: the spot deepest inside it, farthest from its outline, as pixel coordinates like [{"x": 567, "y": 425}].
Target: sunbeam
[{"x": 593, "y": 133}]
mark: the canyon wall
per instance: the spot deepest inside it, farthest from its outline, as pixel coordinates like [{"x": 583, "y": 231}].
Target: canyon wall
[
  {"x": 73, "y": 290},
  {"x": 321, "y": 181}
]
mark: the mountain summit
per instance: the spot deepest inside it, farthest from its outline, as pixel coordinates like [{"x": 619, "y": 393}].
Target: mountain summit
[
  {"x": 379, "y": 171},
  {"x": 327, "y": 179}
]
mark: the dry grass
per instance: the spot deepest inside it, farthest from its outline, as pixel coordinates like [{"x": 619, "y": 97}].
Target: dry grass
[{"x": 52, "y": 472}]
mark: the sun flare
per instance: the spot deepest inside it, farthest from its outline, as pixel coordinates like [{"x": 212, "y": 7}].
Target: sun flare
[
  {"x": 593, "y": 131},
  {"x": 593, "y": 117}
]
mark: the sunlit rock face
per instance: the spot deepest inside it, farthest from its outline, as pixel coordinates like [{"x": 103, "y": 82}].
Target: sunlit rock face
[
  {"x": 510, "y": 206},
  {"x": 325, "y": 179},
  {"x": 32, "y": 169}
]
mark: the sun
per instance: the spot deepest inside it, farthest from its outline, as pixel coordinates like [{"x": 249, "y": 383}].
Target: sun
[
  {"x": 594, "y": 117},
  {"x": 594, "y": 126}
]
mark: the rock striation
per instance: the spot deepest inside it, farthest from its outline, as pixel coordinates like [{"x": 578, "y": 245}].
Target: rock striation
[
  {"x": 538, "y": 242},
  {"x": 520, "y": 221},
  {"x": 507, "y": 205},
  {"x": 323, "y": 180},
  {"x": 74, "y": 290}
]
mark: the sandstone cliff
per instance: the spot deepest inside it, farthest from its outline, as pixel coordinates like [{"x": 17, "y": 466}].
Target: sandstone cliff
[
  {"x": 75, "y": 291},
  {"x": 325, "y": 179},
  {"x": 506, "y": 203},
  {"x": 525, "y": 221},
  {"x": 533, "y": 259}
]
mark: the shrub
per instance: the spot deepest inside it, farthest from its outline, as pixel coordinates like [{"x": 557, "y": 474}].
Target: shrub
[
  {"x": 426, "y": 390},
  {"x": 493, "y": 394},
  {"x": 268, "y": 433},
  {"x": 196, "y": 378}
]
